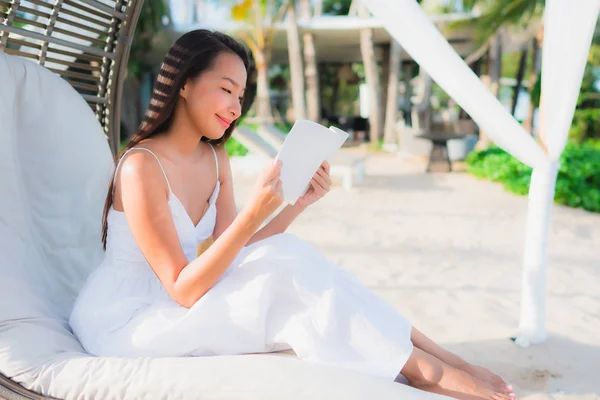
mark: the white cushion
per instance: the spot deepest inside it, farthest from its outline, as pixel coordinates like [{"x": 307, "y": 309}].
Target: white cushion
[{"x": 55, "y": 165}]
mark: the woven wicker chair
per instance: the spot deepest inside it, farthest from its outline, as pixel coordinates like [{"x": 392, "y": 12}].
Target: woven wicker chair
[{"x": 86, "y": 42}]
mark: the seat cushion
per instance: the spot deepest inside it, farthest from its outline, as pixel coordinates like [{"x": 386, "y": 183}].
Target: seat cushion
[
  {"x": 248, "y": 377},
  {"x": 55, "y": 166}
]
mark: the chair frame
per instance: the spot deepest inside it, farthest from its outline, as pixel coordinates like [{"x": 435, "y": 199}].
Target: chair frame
[
  {"x": 28, "y": 28},
  {"x": 108, "y": 29}
]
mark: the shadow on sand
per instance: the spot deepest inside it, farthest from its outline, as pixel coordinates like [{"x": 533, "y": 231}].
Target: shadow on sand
[{"x": 558, "y": 366}]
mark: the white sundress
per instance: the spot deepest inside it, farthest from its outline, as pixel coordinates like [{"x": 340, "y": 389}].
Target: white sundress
[{"x": 279, "y": 294}]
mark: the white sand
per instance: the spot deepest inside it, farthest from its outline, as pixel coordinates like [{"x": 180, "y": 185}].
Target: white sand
[{"x": 445, "y": 250}]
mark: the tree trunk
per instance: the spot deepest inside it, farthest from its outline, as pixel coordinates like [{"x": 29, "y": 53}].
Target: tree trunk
[
  {"x": 390, "y": 138},
  {"x": 295, "y": 59},
  {"x": 533, "y": 77},
  {"x": 372, "y": 76},
  {"x": 384, "y": 77},
  {"x": 261, "y": 57},
  {"x": 519, "y": 84},
  {"x": 318, "y": 8},
  {"x": 353, "y": 10},
  {"x": 425, "y": 84},
  {"x": 494, "y": 73},
  {"x": 408, "y": 94},
  {"x": 131, "y": 107},
  {"x": 313, "y": 96},
  {"x": 263, "y": 99},
  {"x": 199, "y": 10},
  {"x": 496, "y": 63}
]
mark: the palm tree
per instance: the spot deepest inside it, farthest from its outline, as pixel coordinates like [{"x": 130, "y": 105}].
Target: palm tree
[
  {"x": 497, "y": 14},
  {"x": 372, "y": 76},
  {"x": 295, "y": 59},
  {"x": 391, "y": 108},
  {"x": 260, "y": 16},
  {"x": 313, "y": 100}
]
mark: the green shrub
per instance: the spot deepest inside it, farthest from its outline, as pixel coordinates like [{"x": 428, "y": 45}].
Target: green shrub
[
  {"x": 586, "y": 125},
  {"x": 577, "y": 184},
  {"x": 284, "y": 126},
  {"x": 232, "y": 146},
  {"x": 235, "y": 148}
]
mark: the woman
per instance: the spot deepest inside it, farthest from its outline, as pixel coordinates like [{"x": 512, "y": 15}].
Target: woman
[{"x": 254, "y": 289}]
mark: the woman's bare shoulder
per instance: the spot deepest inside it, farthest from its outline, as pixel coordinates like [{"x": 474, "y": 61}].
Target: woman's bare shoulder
[
  {"x": 139, "y": 165},
  {"x": 139, "y": 176}
]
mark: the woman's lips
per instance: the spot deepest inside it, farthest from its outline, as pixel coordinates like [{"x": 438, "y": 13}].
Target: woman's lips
[{"x": 224, "y": 122}]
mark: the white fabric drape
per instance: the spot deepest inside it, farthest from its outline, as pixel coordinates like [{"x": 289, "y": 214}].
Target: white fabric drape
[
  {"x": 567, "y": 38},
  {"x": 533, "y": 281},
  {"x": 568, "y": 31}
]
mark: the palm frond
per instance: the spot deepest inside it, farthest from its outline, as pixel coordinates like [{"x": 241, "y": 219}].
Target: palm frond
[{"x": 496, "y": 14}]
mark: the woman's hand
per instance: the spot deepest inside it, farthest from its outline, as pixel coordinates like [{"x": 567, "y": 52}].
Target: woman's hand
[
  {"x": 268, "y": 194},
  {"x": 320, "y": 185}
]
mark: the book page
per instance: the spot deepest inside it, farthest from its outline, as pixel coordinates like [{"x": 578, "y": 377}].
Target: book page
[{"x": 306, "y": 147}]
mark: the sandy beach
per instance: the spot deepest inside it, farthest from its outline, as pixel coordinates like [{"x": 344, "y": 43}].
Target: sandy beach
[{"x": 445, "y": 250}]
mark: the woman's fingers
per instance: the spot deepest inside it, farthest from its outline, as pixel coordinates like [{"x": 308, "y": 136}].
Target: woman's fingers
[
  {"x": 274, "y": 171},
  {"x": 279, "y": 188},
  {"x": 323, "y": 178},
  {"x": 320, "y": 183},
  {"x": 324, "y": 172}
]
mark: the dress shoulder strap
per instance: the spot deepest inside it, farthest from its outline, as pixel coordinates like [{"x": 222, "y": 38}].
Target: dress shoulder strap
[
  {"x": 216, "y": 159},
  {"x": 149, "y": 151}
]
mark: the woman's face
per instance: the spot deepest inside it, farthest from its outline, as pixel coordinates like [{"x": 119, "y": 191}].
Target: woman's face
[{"x": 213, "y": 100}]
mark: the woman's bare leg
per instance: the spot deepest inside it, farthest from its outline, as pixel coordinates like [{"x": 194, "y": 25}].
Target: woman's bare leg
[
  {"x": 429, "y": 346},
  {"x": 426, "y": 372}
]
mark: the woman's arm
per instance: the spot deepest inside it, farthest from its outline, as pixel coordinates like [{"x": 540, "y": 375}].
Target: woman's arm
[
  {"x": 319, "y": 186},
  {"x": 279, "y": 224},
  {"x": 145, "y": 203},
  {"x": 227, "y": 212}
]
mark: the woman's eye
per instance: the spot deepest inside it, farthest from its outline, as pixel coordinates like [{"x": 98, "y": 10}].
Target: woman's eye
[
  {"x": 227, "y": 90},
  {"x": 241, "y": 100}
]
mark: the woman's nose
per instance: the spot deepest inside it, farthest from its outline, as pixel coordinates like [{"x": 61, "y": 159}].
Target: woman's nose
[{"x": 236, "y": 110}]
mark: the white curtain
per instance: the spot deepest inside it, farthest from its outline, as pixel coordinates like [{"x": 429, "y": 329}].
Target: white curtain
[
  {"x": 567, "y": 38},
  {"x": 568, "y": 31}
]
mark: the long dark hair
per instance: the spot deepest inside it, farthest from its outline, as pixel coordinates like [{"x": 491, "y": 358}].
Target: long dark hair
[{"x": 192, "y": 54}]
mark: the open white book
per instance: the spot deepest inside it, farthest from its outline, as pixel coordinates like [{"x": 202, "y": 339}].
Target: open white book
[{"x": 305, "y": 148}]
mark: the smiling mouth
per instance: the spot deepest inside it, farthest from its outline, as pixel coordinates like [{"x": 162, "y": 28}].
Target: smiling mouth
[{"x": 224, "y": 122}]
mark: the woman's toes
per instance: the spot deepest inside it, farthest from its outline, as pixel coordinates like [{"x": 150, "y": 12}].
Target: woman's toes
[{"x": 502, "y": 396}]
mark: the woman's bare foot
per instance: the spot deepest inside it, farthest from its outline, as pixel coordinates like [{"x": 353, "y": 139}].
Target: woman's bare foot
[
  {"x": 428, "y": 373},
  {"x": 487, "y": 376},
  {"x": 429, "y": 346}
]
